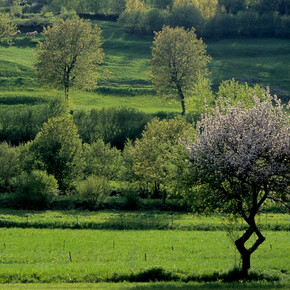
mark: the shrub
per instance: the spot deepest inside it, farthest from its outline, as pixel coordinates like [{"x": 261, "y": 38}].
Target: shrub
[
  {"x": 22, "y": 126},
  {"x": 114, "y": 125},
  {"x": 9, "y": 166},
  {"x": 132, "y": 199},
  {"x": 34, "y": 190},
  {"x": 94, "y": 189},
  {"x": 101, "y": 160},
  {"x": 57, "y": 147}
]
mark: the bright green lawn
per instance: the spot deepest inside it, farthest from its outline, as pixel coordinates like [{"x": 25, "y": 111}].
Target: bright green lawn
[
  {"x": 266, "y": 61},
  {"x": 43, "y": 255}
]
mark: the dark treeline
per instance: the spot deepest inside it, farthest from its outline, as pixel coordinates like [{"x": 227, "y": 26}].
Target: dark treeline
[{"x": 211, "y": 18}]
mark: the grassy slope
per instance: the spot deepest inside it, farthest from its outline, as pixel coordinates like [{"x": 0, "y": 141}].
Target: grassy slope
[{"x": 264, "y": 60}]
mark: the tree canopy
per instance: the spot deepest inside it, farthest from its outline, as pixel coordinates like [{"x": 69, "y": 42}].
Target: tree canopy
[
  {"x": 69, "y": 55},
  {"x": 178, "y": 58},
  {"x": 7, "y": 28},
  {"x": 57, "y": 149},
  {"x": 240, "y": 159},
  {"x": 153, "y": 154}
]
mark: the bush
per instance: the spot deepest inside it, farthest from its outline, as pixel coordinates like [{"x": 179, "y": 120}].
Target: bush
[
  {"x": 57, "y": 149},
  {"x": 113, "y": 125},
  {"x": 187, "y": 16},
  {"x": 101, "y": 160},
  {"x": 247, "y": 22},
  {"x": 94, "y": 189},
  {"x": 9, "y": 166},
  {"x": 34, "y": 190},
  {"x": 222, "y": 26},
  {"x": 132, "y": 199},
  {"x": 22, "y": 126}
]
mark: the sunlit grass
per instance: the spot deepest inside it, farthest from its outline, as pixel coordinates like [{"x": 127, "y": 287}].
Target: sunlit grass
[
  {"x": 85, "y": 255},
  {"x": 266, "y": 61}
]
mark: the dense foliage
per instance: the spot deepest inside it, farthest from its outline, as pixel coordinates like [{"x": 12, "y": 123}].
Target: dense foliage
[
  {"x": 178, "y": 59},
  {"x": 69, "y": 55},
  {"x": 7, "y": 28},
  {"x": 211, "y": 18}
]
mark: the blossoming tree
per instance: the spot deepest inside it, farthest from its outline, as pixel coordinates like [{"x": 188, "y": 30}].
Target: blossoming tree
[{"x": 239, "y": 159}]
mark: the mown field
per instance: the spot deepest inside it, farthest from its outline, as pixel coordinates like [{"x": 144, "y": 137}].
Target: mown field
[
  {"x": 265, "y": 61},
  {"x": 72, "y": 255},
  {"x": 33, "y": 255}
]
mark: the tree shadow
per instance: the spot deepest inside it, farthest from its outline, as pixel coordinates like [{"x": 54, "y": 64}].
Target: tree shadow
[{"x": 21, "y": 100}]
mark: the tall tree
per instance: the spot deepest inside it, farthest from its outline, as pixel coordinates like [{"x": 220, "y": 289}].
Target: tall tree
[
  {"x": 178, "y": 57},
  {"x": 7, "y": 28},
  {"x": 240, "y": 159},
  {"x": 69, "y": 55}
]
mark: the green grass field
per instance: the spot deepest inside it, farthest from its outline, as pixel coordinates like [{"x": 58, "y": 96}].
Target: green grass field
[
  {"x": 33, "y": 255},
  {"x": 266, "y": 61},
  {"x": 132, "y": 220},
  {"x": 52, "y": 255}
]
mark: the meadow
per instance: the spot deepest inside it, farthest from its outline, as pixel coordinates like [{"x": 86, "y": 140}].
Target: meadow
[
  {"x": 53, "y": 255},
  {"x": 134, "y": 220},
  {"x": 263, "y": 61},
  {"x": 181, "y": 247}
]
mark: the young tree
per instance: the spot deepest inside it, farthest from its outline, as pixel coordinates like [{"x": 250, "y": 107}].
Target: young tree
[
  {"x": 101, "y": 160},
  {"x": 152, "y": 155},
  {"x": 57, "y": 149},
  {"x": 177, "y": 58},
  {"x": 9, "y": 166},
  {"x": 240, "y": 159},
  {"x": 7, "y": 28},
  {"x": 69, "y": 55}
]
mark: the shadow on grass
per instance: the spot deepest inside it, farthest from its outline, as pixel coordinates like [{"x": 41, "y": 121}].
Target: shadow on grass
[
  {"x": 137, "y": 88},
  {"x": 22, "y": 100},
  {"x": 216, "y": 285}
]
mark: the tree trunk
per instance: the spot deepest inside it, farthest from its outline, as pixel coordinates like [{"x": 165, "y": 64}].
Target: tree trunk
[
  {"x": 246, "y": 253},
  {"x": 182, "y": 99},
  {"x": 246, "y": 263},
  {"x": 183, "y": 106},
  {"x": 66, "y": 91},
  {"x": 163, "y": 199}
]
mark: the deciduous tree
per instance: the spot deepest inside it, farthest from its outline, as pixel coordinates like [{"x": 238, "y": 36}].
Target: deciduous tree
[
  {"x": 57, "y": 148},
  {"x": 178, "y": 57},
  {"x": 69, "y": 55},
  {"x": 240, "y": 159},
  {"x": 7, "y": 28},
  {"x": 152, "y": 154}
]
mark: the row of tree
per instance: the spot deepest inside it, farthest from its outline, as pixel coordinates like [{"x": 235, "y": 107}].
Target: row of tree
[
  {"x": 208, "y": 7},
  {"x": 207, "y": 17},
  {"x": 210, "y": 18}
]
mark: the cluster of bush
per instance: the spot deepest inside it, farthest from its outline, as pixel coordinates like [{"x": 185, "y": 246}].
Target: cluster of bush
[
  {"x": 57, "y": 162},
  {"x": 88, "y": 154},
  {"x": 221, "y": 25},
  {"x": 212, "y": 19},
  {"x": 91, "y": 155}
]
